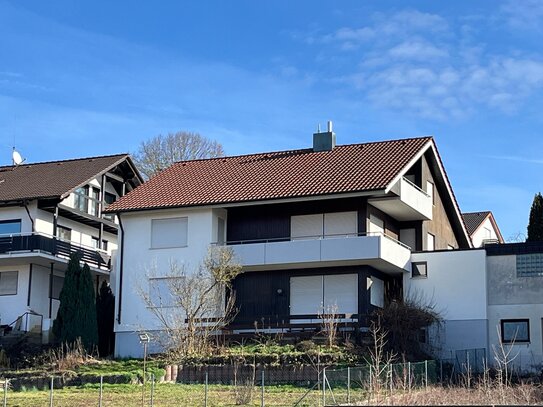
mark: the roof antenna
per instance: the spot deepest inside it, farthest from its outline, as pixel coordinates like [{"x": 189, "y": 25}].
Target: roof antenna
[
  {"x": 16, "y": 158},
  {"x": 318, "y": 128}
]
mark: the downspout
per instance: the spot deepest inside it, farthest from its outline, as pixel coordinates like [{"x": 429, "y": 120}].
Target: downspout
[
  {"x": 25, "y": 203},
  {"x": 121, "y": 262}
]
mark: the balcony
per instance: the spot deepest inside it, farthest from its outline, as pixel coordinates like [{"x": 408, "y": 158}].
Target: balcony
[
  {"x": 406, "y": 202},
  {"x": 377, "y": 250},
  {"x": 45, "y": 249}
]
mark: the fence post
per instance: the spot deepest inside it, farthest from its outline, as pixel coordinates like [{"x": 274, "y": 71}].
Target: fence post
[
  {"x": 349, "y": 385},
  {"x": 426, "y": 373},
  {"x": 262, "y": 390},
  {"x": 152, "y": 390},
  {"x": 409, "y": 375},
  {"x": 324, "y": 387},
  {"x": 6, "y": 384},
  {"x": 51, "y": 392},
  {"x": 100, "y": 397},
  {"x": 205, "y": 391}
]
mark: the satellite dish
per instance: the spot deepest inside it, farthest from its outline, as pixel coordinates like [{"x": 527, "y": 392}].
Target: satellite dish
[{"x": 17, "y": 159}]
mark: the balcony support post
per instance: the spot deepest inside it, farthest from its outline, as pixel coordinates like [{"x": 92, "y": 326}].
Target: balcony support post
[
  {"x": 51, "y": 290},
  {"x": 55, "y": 221}
]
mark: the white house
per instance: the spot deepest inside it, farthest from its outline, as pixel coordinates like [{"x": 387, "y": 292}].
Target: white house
[
  {"x": 482, "y": 228},
  {"x": 350, "y": 226},
  {"x": 47, "y": 211}
]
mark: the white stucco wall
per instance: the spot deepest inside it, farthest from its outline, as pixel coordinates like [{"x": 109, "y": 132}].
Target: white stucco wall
[
  {"x": 19, "y": 212},
  {"x": 141, "y": 261},
  {"x": 456, "y": 284},
  {"x": 11, "y": 306}
]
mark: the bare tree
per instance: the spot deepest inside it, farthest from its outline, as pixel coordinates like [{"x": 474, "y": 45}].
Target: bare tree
[
  {"x": 191, "y": 307},
  {"x": 161, "y": 151}
]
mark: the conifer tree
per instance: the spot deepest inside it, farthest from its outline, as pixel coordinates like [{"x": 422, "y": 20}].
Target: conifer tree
[
  {"x": 65, "y": 325},
  {"x": 87, "y": 309},
  {"x": 535, "y": 225},
  {"x": 76, "y": 316},
  {"x": 105, "y": 315}
]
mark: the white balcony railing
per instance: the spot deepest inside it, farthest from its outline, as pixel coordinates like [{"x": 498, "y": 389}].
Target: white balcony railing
[{"x": 376, "y": 249}]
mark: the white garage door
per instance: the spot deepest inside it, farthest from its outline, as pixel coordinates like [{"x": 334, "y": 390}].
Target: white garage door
[{"x": 308, "y": 294}]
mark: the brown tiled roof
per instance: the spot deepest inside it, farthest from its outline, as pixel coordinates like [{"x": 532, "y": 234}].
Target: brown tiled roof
[
  {"x": 285, "y": 174},
  {"x": 474, "y": 219},
  {"x": 51, "y": 179}
]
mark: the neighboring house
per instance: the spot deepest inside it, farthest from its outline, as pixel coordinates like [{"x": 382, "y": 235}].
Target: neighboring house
[
  {"x": 482, "y": 228},
  {"x": 515, "y": 302},
  {"x": 48, "y": 211},
  {"x": 313, "y": 228}
]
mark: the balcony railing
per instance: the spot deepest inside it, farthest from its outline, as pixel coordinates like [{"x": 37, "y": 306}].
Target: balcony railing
[
  {"x": 315, "y": 237},
  {"x": 378, "y": 249},
  {"x": 43, "y": 243}
]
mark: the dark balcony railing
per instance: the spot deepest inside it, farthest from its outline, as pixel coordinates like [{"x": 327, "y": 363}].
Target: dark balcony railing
[{"x": 35, "y": 242}]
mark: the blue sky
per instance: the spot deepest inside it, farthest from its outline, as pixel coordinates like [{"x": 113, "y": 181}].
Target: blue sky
[{"x": 80, "y": 79}]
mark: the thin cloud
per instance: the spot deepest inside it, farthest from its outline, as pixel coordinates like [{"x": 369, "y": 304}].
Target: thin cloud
[{"x": 527, "y": 160}]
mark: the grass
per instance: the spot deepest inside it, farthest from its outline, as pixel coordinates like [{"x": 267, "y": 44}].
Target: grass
[{"x": 218, "y": 395}]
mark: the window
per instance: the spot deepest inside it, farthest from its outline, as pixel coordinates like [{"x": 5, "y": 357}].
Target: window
[
  {"x": 341, "y": 224},
  {"x": 81, "y": 200},
  {"x": 95, "y": 204},
  {"x": 95, "y": 244},
  {"x": 317, "y": 226},
  {"x": 419, "y": 269},
  {"x": 430, "y": 242},
  {"x": 58, "y": 283},
  {"x": 8, "y": 282},
  {"x": 310, "y": 294},
  {"x": 64, "y": 233},
  {"x": 109, "y": 199},
  {"x": 10, "y": 227},
  {"x": 515, "y": 330},
  {"x": 307, "y": 226},
  {"x": 221, "y": 229},
  {"x": 377, "y": 291},
  {"x": 170, "y": 232},
  {"x": 530, "y": 265},
  {"x": 430, "y": 191}
]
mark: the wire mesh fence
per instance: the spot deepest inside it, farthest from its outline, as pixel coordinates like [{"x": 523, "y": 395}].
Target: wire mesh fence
[{"x": 247, "y": 386}]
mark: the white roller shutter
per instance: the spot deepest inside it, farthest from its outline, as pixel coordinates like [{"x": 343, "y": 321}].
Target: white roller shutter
[
  {"x": 306, "y": 226},
  {"x": 341, "y": 291},
  {"x": 341, "y": 224},
  {"x": 305, "y": 295}
]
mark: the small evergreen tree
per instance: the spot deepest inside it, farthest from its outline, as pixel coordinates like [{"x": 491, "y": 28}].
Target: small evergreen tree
[
  {"x": 65, "y": 326},
  {"x": 535, "y": 225},
  {"x": 105, "y": 314},
  {"x": 76, "y": 316},
  {"x": 87, "y": 309}
]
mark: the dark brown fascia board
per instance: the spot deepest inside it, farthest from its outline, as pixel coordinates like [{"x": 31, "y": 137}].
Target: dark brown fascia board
[
  {"x": 124, "y": 157},
  {"x": 363, "y": 193}
]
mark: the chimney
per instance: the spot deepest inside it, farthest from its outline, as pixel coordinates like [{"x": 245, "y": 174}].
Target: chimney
[{"x": 324, "y": 141}]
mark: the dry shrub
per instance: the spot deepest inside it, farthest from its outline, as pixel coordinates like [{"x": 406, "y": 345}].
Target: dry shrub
[
  {"x": 69, "y": 356},
  {"x": 403, "y": 320},
  {"x": 524, "y": 394},
  {"x": 329, "y": 324}
]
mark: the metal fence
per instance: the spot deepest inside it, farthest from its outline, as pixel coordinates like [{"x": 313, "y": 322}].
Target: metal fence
[{"x": 329, "y": 387}]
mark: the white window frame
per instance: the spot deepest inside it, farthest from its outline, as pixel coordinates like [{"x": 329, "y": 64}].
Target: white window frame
[
  {"x": 430, "y": 190},
  {"x": 430, "y": 238}
]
